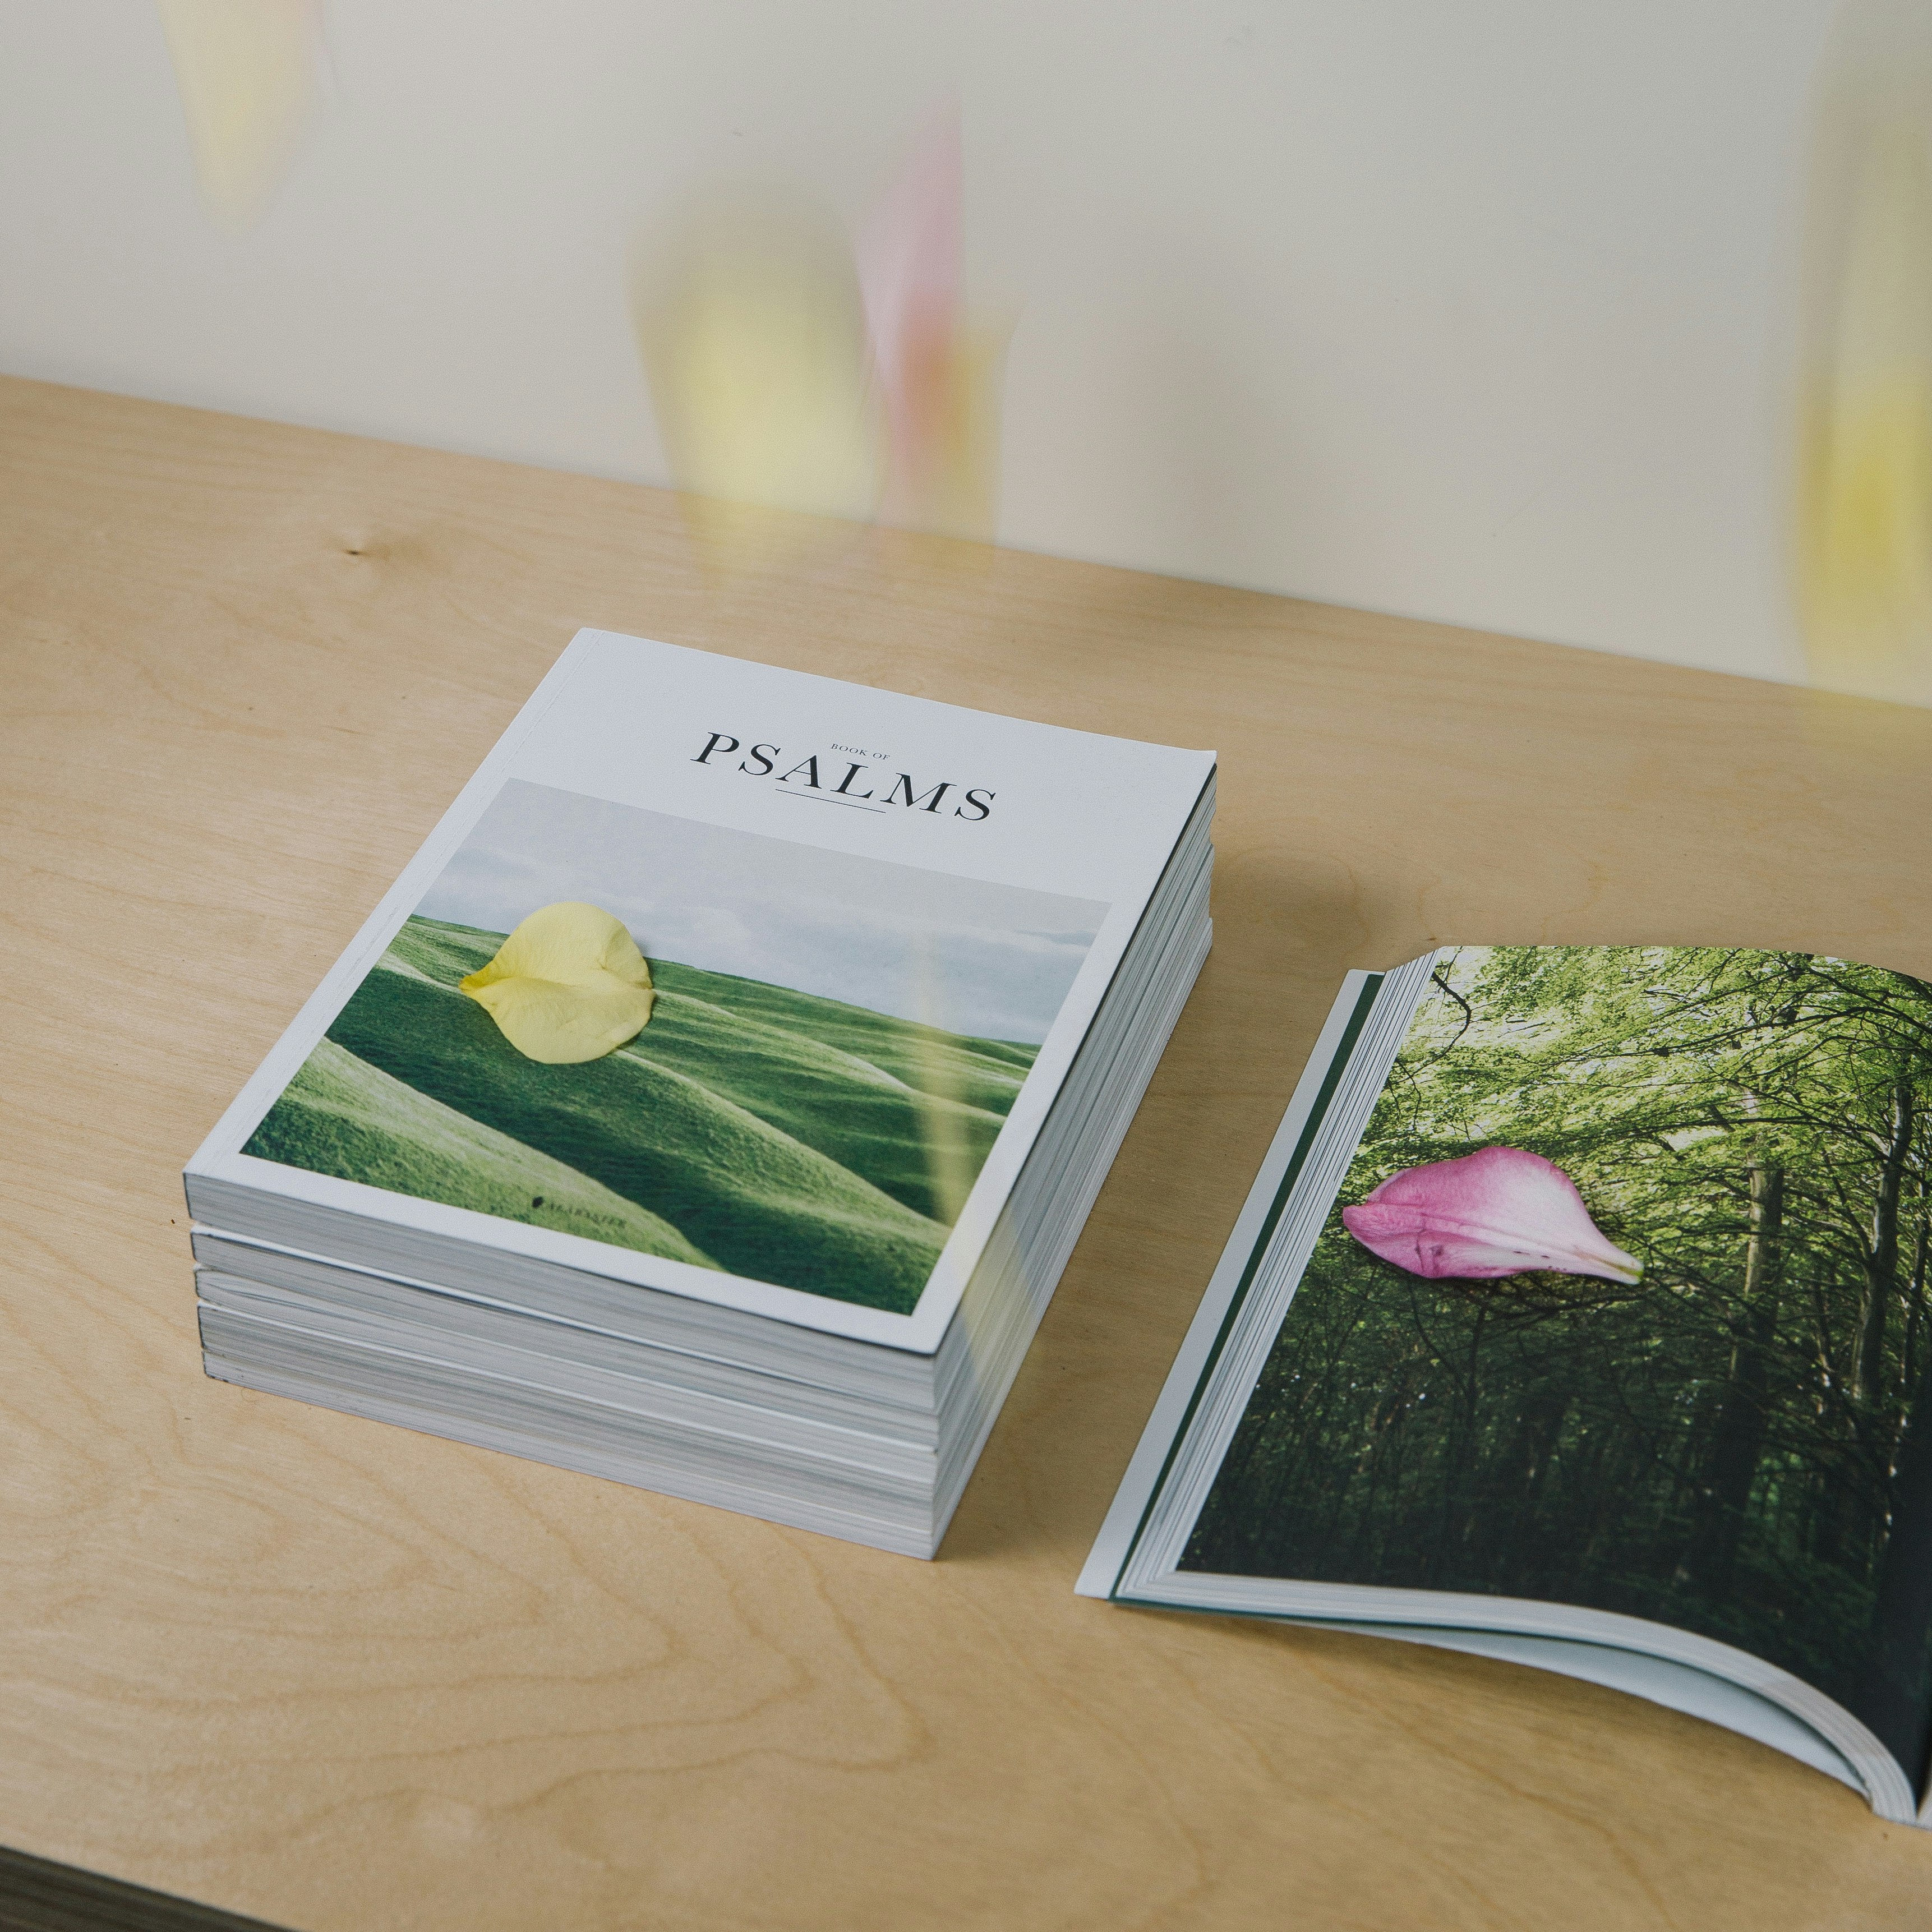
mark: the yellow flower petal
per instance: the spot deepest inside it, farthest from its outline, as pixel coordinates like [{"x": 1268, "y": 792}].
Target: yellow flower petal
[
  {"x": 560, "y": 1025},
  {"x": 570, "y": 943},
  {"x": 568, "y": 985}
]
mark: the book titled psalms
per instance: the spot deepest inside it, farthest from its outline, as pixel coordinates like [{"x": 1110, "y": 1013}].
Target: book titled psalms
[
  {"x": 1579, "y": 1317},
  {"x": 716, "y": 1099}
]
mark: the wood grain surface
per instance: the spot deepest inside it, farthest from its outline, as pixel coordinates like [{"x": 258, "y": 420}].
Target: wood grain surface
[{"x": 336, "y": 1676}]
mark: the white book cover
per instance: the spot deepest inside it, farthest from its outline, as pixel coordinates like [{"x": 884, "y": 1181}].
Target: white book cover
[{"x": 873, "y": 931}]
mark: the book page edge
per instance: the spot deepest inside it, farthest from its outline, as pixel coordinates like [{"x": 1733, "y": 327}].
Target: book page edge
[{"x": 1111, "y": 1546}]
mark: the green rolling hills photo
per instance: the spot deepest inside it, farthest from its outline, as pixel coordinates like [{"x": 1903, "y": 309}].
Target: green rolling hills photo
[{"x": 775, "y": 1134}]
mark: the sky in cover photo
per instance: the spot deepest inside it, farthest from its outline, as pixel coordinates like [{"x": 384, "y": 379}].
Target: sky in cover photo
[{"x": 991, "y": 961}]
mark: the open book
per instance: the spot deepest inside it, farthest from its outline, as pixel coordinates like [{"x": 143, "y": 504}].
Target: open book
[{"x": 1578, "y": 1317}]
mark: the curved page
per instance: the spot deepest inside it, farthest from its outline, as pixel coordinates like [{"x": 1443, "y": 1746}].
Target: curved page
[{"x": 1686, "y": 1415}]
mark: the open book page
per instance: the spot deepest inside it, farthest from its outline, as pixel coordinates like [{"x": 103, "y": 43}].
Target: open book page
[{"x": 1727, "y": 1460}]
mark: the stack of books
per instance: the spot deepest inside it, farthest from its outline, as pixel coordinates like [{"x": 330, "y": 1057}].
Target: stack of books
[{"x": 715, "y": 1099}]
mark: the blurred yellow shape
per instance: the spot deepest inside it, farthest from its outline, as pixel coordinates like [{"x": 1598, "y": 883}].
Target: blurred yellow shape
[
  {"x": 246, "y": 70},
  {"x": 957, "y": 493},
  {"x": 1865, "y": 478},
  {"x": 753, "y": 342},
  {"x": 938, "y": 1097},
  {"x": 789, "y": 372},
  {"x": 568, "y": 985}
]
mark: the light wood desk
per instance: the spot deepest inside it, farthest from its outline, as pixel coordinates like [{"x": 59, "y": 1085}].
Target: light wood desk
[{"x": 340, "y": 1676}]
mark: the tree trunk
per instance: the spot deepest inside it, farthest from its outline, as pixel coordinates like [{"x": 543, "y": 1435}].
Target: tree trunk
[
  {"x": 1882, "y": 1254},
  {"x": 1914, "y": 1312},
  {"x": 1452, "y": 1528},
  {"x": 1718, "y": 1513},
  {"x": 1505, "y": 1528},
  {"x": 1893, "y": 1696}
]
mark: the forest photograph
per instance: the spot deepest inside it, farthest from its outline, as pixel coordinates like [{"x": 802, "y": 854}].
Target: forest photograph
[{"x": 1738, "y": 1442}]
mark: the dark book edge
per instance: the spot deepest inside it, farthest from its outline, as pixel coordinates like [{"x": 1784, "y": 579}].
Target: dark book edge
[{"x": 42, "y": 1895}]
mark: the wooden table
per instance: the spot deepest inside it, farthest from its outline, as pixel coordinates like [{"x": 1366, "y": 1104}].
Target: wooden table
[{"x": 340, "y": 1676}]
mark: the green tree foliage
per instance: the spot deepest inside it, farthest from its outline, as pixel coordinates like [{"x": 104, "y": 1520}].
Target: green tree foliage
[{"x": 1741, "y": 1444}]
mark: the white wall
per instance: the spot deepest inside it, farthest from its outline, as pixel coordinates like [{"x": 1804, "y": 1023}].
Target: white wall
[{"x": 1477, "y": 311}]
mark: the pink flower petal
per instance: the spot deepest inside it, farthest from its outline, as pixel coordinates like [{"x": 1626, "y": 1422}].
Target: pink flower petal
[{"x": 1499, "y": 1211}]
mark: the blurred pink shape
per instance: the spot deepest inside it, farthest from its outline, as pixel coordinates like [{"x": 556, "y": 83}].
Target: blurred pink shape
[
  {"x": 1496, "y": 1212},
  {"x": 909, "y": 277}
]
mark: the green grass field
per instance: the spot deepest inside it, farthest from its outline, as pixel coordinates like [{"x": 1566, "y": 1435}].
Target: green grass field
[{"x": 769, "y": 1133}]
